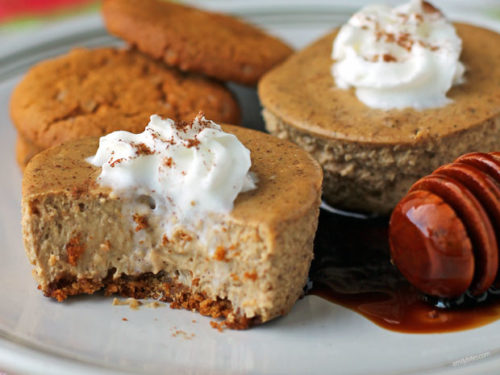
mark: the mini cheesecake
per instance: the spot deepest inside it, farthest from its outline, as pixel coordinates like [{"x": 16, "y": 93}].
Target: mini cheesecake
[
  {"x": 249, "y": 267},
  {"x": 371, "y": 157}
]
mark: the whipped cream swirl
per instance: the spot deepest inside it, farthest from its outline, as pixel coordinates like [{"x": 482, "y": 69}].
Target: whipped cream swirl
[
  {"x": 187, "y": 169},
  {"x": 400, "y": 57}
]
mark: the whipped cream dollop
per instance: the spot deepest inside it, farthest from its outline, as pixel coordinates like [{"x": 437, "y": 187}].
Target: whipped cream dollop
[
  {"x": 407, "y": 56},
  {"x": 185, "y": 169}
]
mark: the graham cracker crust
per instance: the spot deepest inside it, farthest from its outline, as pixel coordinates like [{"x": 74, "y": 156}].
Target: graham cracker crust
[{"x": 156, "y": 286}]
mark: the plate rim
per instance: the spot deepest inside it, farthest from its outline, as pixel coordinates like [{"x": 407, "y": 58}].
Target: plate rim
[{"x": 13, "y": 348}]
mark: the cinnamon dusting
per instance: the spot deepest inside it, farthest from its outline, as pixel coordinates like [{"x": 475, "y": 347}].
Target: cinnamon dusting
[
  {"x": 388, "y": 57},
  {"x": 192, "y": 142},
  {"x": 142, "y": 149},
  {"x": 116, "y": 161},
  {"x": 167, "y": 162}
]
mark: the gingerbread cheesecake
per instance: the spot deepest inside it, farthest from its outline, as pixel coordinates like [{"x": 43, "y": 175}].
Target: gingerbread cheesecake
[
  {"x": 221, "y": 221},
  {"x": 416, "y": 95}
]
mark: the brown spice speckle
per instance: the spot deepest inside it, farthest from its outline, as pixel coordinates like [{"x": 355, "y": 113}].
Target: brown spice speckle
[
  {"x": 142, "y": 149},
  {"x": 141, "y": 221},
  {"x": 388, "y": 58},
  {"x": 168, "y": 162},
  {"x": 192, "y": 142},
  {"x": 116, "y": 161},
  {"x": 77, "y": 191},
  {"x": 250, "y": 275},
  {"x": 220, "y": 254},
  {"x": 74, "y": 249},
  {"x": 164, "y": 240}
]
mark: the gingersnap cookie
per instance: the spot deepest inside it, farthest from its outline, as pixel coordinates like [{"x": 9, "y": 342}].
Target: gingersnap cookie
[
  {"x": 94, "y": 92},
  {"x": 194, "y": 40}
]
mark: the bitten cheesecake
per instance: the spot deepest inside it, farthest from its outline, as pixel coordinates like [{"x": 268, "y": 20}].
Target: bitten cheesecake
[
  {"x": 380, "y": 114},
  {"x": 88, "y": 227}
]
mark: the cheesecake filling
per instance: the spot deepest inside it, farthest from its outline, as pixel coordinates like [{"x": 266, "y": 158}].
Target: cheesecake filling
[
  {"x": 407, "y": 56},
  {"x": 175, "y": 176}
]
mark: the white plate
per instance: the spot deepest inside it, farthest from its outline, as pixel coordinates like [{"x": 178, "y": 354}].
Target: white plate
[{"x": 87, "y": 334}]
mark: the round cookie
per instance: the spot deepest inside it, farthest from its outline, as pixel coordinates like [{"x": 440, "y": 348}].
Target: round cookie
[
  {"x": 371, "y": 157},
  {"x": 194, "y": 40},
  {"x": 94, "y": 92}
]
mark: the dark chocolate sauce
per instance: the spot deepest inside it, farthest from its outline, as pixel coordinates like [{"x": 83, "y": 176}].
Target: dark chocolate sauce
[{"x": 352, "y": 268}]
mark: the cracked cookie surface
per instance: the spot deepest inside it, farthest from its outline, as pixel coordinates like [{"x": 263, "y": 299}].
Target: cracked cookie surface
[
  {"x": 94, "y": 92},
  {"x": 194, "y": 40}
]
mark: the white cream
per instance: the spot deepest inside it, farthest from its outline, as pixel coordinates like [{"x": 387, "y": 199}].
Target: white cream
[
  {"x": 400, "y": 57},
  {"x": 184, "y": 171}
]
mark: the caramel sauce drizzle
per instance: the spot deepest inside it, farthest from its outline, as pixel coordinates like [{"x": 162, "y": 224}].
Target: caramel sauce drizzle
[{"x": 352, "y": 268}]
